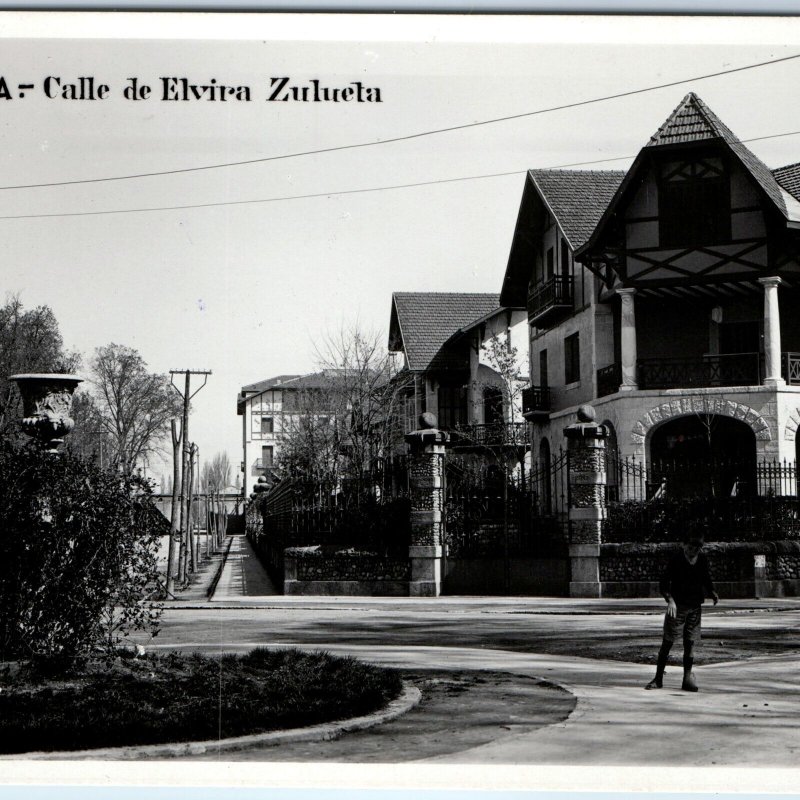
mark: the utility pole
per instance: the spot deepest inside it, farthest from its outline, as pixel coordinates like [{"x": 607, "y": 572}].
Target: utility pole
[{"x": 185, "y": 494}]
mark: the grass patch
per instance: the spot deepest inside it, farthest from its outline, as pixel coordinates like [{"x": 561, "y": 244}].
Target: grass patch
[{"x": 177, "y": 698}]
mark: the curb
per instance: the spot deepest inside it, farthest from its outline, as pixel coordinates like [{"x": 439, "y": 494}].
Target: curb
[
  {"x": 215, "y": 580},
  {"x": 408, "y": 699}
]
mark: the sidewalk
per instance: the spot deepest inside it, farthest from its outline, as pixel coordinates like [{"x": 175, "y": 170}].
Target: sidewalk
[{"x": 243, "y": 576}]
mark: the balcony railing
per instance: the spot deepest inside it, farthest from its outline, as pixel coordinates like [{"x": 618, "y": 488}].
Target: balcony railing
[
  {"x": 737, "y": 369},
  {"x": 549, "y": 300},
  {"x": 263, "y": 463},
  {"x": 790, "y": 363},
  {"x": 494, "y": 434},
  {"x": 535, "y": 401},
  {"x": 609, "y": 379}
]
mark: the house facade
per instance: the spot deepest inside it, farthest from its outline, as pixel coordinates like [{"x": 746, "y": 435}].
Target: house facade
[
  {"x": 270, "y": 410},
  {"x": 467, "y": 358},
  {"x": 666, "y": 297}
]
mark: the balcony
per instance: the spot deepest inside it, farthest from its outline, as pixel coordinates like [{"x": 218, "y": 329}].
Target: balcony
[
  {"x": 535, "y": 402},
  {"x": 609, "y": 379},
  {"x": 498, "y": 434},
  {"x": 739, "y": 369},
  {"x": 550, "y": 300}
]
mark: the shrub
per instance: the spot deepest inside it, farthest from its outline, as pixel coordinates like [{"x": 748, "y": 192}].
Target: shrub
[{"x": 78, "y": 556}]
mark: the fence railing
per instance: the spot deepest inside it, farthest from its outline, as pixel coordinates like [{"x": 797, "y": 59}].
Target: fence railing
[
  {"x": 609, "y": 379},
  {"x": 733, "y": 500}
]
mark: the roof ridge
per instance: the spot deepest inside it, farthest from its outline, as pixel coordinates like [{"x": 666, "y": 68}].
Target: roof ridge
[{"x": 563, "y": 170}]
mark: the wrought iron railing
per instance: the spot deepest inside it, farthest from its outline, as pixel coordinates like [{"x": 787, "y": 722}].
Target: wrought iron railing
[
  {"x": 498, "y": 433},
  {"x": 609, "y": 379},
  {"x": 535, "y": 399},
  {"x": 552, "y": 293},
  {"x": 736, "y": 369},
  {"x": 791, "y": 368}
]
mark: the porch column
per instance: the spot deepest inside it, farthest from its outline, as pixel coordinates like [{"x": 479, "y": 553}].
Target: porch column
[
  {"x": 772, "y": 332},
  {"x": 586, "y": 445},
  {"x": 426, "y": 485},
  {"x": 628, "y": 340}
]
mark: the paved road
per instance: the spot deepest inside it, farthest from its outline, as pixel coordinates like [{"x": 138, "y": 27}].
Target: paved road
[{"x": 745, "y": 715}]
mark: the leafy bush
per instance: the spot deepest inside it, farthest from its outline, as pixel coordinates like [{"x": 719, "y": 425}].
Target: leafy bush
[
  {"x": 78, "y": 556},
  {"x": 174, "y": 698}
]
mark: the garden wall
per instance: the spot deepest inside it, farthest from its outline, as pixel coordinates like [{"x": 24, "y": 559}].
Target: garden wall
[
  {"x": 321, "y": 570},
  {"x": 739, "y": 569}
]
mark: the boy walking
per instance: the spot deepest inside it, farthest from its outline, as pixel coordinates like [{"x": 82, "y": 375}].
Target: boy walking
[{"x": 685, "y": 584}]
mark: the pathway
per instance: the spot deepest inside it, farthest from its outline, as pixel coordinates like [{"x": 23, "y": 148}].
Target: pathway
[{"x": 243, "y": 576}]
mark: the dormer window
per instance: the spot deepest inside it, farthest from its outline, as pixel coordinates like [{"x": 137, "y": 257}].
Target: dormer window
[{"x": 694, "y": 203}]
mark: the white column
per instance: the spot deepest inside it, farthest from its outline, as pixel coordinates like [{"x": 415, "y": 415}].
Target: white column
[
  {"x": 628, "y": 340},
  {"x": 772, "y": 332}
]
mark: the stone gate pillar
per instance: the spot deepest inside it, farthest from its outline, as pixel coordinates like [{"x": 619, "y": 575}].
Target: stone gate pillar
[
  {"x": 586, "y": 444},
  {"x": 426, "y": 484}
]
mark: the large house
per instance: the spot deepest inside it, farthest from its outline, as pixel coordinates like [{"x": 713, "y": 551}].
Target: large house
[
  {"x": 272, "y": 408},
  {"x": 666, "y": 297},
  {"x": 467, "y": 360}
]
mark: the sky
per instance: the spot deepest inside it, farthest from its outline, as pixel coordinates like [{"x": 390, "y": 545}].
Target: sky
[{"x": 248, "y": 289}]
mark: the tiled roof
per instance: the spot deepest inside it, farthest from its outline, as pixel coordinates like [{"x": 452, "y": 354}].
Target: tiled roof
[
  {"x": 789, "y": 178},
  {"x": 577, "y": 198},
  {"x": 694, "y": 121},
  {"x": 268, "y": 383},
  {"x": 426, "y": 320}
]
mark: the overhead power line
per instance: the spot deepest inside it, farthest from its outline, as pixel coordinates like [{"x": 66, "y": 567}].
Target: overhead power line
[
  {"x": 406, "y": 137},
  {"x": 343, "y": 192}
]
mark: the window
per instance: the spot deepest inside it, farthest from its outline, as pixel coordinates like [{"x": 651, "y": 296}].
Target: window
[
  {"x": 694, "y": 203},
  {"x": 266, "y": 456},
  {"x": 550, "y": 262},
  {"x": 564, "y": 259},
  {"x": 543, "y": 368},
  {"x": 572, "y": 359},
  {"x": 410, "y": 414},
  {"x": 452, "y": 406},
  {"x": 267, "y": 425}
]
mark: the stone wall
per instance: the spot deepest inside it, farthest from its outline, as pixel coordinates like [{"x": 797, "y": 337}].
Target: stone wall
[
  {"x": 632, "y": 569},
  {"x": 318, "y": 571}
]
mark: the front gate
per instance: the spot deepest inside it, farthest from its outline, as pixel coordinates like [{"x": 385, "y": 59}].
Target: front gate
[{"x": 505, "y": 525}]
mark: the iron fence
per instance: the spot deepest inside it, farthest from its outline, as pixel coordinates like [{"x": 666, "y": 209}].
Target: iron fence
[
  {"x": 730, "y": 500},
  {"x": 502, "y": 510}
]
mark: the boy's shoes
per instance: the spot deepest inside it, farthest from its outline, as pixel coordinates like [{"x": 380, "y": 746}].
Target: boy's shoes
[
  {"x": 656, "y": 683},
  {"x": 689, "y": 683}
]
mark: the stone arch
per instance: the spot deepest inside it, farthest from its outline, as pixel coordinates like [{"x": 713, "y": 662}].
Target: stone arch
[
  {"x": 792, "y": 424},
  {"x": 701, "y": 404}
]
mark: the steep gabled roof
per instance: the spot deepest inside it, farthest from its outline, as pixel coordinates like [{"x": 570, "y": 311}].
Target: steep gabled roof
[
  {"x": 577, "y": 198},
  {"x": 693, "y": 121},
  {"x": 422, "y": 322},
  {"x": 789, "y": 179}
]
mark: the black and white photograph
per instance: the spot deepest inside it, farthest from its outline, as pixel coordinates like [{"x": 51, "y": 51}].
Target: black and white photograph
[{"x": 404, "y": 399}]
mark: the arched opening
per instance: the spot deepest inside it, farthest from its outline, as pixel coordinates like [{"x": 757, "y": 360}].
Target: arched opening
[{"x": 704, "y": 455}]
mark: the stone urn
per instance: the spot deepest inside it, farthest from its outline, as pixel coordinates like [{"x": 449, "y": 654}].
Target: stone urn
[{"x": 47, "y": 402}]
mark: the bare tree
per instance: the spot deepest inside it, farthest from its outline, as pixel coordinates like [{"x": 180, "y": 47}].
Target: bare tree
[
  {"x": 215, "y": 477},
  {"x": 350, "y": 417},
  {"x": 134, "y": 406}
]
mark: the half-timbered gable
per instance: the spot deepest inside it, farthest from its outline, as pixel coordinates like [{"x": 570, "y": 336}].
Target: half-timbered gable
[{"x": 697, "y": 207}]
